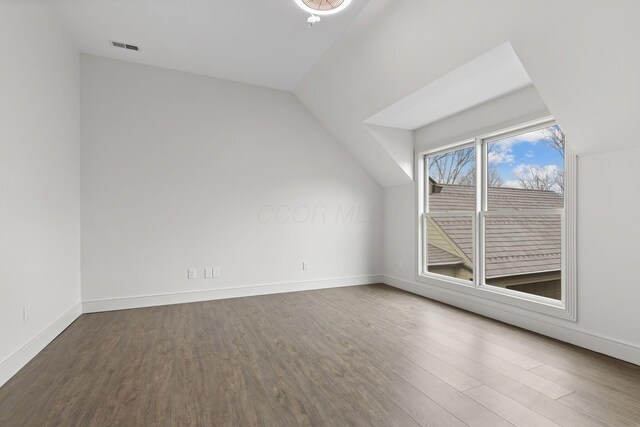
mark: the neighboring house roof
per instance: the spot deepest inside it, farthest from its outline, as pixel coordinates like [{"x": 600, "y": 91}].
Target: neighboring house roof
[
  {"x": 515, "y": 245},
  {"x": 439, "y": 256}
]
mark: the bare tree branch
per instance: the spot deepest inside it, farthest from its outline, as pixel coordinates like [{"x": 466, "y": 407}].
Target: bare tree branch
[
  {"x": 533, "y": 177},
  {"x": 452, "y": 167},
  {"x": 555, "y": 138},
  {"x": 458, "y": 167}
]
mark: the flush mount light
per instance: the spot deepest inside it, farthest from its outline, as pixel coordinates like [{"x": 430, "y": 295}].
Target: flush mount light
[{"x": 323, "y": 7}]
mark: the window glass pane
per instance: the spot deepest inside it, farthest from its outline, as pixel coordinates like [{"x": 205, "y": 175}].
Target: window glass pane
[
  {"x": 451, "y": 181},
  {"x": 450, "y": 246},
  {"x": 527, "y": 171},
  {"x": 524, "y": 253}
]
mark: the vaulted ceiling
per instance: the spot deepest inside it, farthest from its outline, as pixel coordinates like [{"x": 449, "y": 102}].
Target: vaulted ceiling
[
  {"x": 586, "y": 74},
  {"x": 356, "y": 70},
  {"x": 267, "y": 43}
]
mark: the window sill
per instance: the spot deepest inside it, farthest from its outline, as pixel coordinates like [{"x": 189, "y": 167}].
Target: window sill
[{"x": 528, "y": 302}]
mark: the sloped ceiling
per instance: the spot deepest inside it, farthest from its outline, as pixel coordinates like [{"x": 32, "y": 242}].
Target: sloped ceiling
[
  {"x": 491, "y": 75},
  {"x": 266, "y": 43},
  {"x": 586, "y": 74}
]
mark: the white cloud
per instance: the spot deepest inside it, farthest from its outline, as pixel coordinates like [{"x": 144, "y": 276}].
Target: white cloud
[
  {"x": 500, "y": 156},
  {"x": 504, "y": 144},
  {"x": 510, "y": 183},
  {"x": 544, "y": 170},
  {"x": 501, "y": 151},
  {"x": 531, "y": 137}
]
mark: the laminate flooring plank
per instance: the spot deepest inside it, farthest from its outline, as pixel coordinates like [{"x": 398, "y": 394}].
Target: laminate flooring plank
[
  {"x": 519, "y": 415},
  {"x": 365, "y": 355}
]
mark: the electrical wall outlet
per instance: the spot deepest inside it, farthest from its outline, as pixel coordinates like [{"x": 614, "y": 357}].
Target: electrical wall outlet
[
  {"x": 212, "y": 273},
  {"x": 191, "y": 273},
  {"x": 26, "y": 313},
  {"x": 400, "y": 265},
  {"x": 305, "y": 266}
]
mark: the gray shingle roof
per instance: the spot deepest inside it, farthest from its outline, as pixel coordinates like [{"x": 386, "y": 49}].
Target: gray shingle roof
[
  {"x": 462, "y": 198},
  {"x": 439, "y": 256},
  {"x": 514, "y": 244}
]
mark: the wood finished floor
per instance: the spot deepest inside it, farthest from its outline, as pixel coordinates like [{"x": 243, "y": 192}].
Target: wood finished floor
[{"x": 361, "y": 356}]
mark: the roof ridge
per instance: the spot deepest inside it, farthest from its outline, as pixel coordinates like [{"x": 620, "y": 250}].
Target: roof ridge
[{"x": 549, "y": 192}]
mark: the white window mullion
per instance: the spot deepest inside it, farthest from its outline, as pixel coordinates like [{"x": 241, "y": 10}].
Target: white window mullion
[{"x": 480, "y": 203}]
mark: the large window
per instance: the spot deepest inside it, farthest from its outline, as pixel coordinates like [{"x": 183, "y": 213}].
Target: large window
[{"x": 494, "y": 215}]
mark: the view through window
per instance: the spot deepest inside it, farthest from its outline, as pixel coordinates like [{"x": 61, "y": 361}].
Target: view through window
[
  {"x": 517, "y": 221},
  {"x": 452, "y": 187}
]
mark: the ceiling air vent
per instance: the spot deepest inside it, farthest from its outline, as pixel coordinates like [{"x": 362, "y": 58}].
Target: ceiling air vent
[{"x": 125, "y": 46}]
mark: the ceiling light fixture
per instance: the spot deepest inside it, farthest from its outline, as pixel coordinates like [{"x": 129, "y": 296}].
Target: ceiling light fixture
[
  {"x": 319, "y": 8},
  {"x": 323, "y": 7},
  {"x": 313, "y": 19}
]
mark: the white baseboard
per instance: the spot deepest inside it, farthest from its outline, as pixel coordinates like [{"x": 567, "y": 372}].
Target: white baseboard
[
  {"x": 223, "y": 293},
  {"x": 11, "y": 365},
  {"x": 567, "y": 332}
]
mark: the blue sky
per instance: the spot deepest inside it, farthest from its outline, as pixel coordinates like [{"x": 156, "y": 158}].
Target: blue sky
[{"x": 528, "y": 150}]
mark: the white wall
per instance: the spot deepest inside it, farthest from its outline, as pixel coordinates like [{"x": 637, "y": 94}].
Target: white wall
[
  {"x": 512, "y": 107},
  {"x": 608, "y": 238},
  {"x": 39, "y": 181},
  {"x": 579, "y": 54},
  {"x": 609, "y": 244},
  {"x": 182, "y": 171}
]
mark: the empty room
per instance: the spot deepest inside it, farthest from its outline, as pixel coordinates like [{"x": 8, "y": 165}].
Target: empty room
[{"x": 319, "y": 213}]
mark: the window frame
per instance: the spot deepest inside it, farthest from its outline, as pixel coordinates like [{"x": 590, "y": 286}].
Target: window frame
[
  {"x": 564, "y": 308},
  {"x": 472, "y": 214}
]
